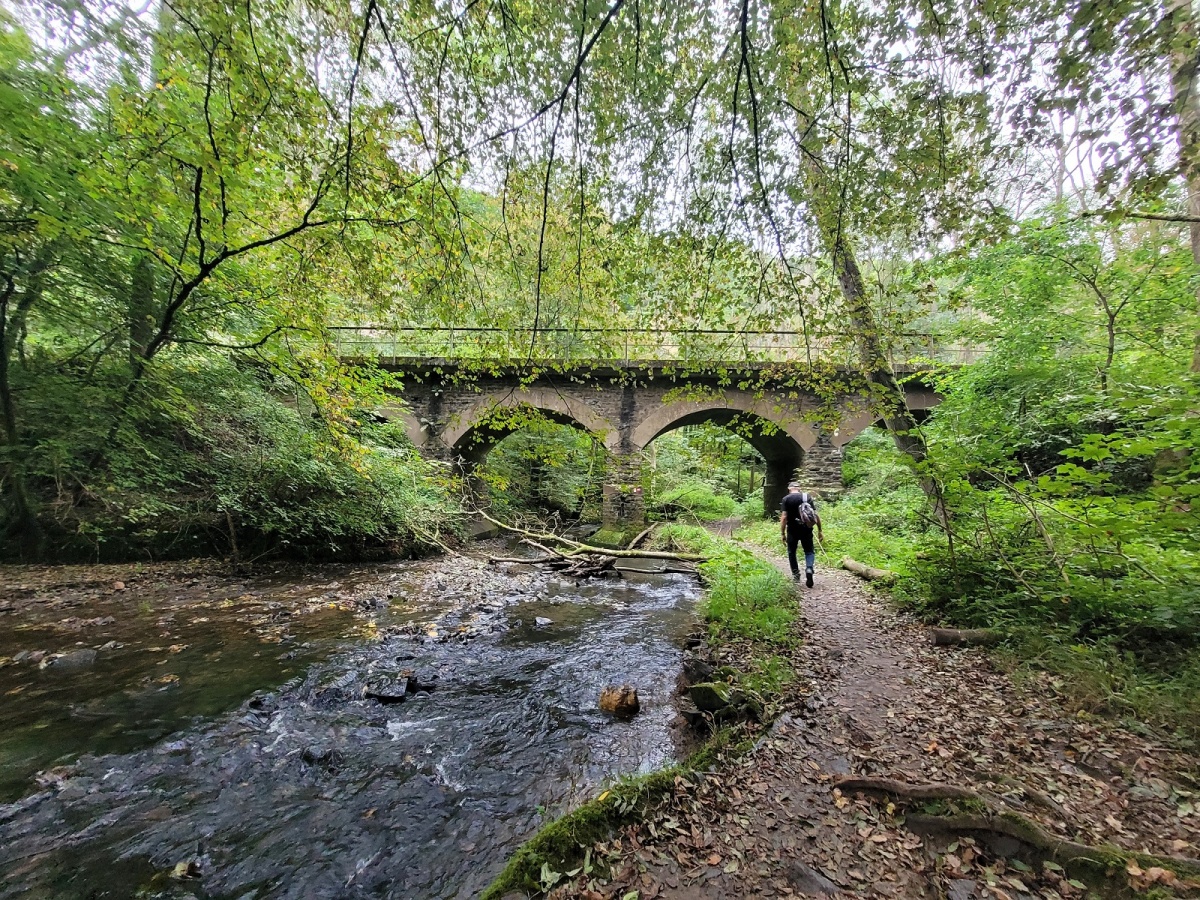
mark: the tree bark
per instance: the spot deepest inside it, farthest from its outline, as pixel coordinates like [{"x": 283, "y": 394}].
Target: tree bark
[
  {"x": 574, "y": 548},
  {"x": 1185, "y": 96},
  {"x": 968, "y": 637},
  {"x": 15, "y": 305},
  {"x": 878, "y": 370},
  {"x": 867, "y": 573}
]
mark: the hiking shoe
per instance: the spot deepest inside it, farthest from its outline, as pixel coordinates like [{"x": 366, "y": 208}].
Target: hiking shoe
[{"x": 808, "y": 573}]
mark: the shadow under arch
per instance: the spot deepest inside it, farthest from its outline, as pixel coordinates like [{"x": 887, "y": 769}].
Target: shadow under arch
[
  {"x": 472, "y": 433},
  {"x": 781, "y": 436}
]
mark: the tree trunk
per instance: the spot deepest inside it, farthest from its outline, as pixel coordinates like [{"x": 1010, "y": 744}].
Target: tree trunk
[
  {"x": 142, "y": 314},
  {"x": 25, "y": 524},
  {"x": 1185, "y": 95},
  {"x": 876, "y": 367}
]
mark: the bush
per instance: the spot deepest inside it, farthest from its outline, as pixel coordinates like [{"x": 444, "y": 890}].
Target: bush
[
  {"x": 214, "y": 456},
  {"x": 747, "y": 596}
]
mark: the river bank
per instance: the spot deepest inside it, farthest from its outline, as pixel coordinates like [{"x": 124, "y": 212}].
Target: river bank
[
  {"x": 396, "y": 728},
  {"x": 875, "y": 699}
]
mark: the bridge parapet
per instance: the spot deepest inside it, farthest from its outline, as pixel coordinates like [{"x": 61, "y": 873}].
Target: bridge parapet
[{"x": 554, "y": 346}]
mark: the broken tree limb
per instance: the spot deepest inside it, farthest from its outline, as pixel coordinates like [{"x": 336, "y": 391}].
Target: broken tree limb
[
  {"x": 524, "y": 560},
  {"x": 1009, "y": 824},
  {"x": 642, "y": 535},
  {"x": 969, "y": 637},
  {"x": 870, "y": 573},
  {"x": 575, "y": 548}
]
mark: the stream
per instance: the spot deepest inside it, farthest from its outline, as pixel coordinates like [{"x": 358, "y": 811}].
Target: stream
[{"x": 393, "y": 730}]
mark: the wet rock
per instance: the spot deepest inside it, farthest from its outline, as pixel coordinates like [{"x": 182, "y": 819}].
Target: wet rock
[
  {"x": 75, "y": 661},
  {"x": 322, "y": 757},
  {"x": 542, "y": 621},
  {"x": 387, "y": 691},
  {"x": 691, "y": 713},
  {"x": 175, "y": 747},
  {"x": 807, "y": 880},
  {"x": 696, "y": 669},
  {"x": 187, "y": 869},
  {"x": 422, "y": 681},
  {"x": 620, "y": 701},
  {"x": 710, "y": 696}
]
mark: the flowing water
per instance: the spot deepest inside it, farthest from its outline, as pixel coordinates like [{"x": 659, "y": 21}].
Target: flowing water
[{"x": 436, "y": 713}]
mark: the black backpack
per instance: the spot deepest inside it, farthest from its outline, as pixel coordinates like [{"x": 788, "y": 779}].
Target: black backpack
[{"x": 806, "y": 513}]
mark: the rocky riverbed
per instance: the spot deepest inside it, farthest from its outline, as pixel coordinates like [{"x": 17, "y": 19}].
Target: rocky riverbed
[{"x": 332, "y": 731}]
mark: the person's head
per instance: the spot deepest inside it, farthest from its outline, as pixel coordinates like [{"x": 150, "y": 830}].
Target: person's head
[{"x": 793, "y": 488}]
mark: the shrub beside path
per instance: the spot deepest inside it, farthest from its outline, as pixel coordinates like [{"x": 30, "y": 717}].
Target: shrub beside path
[{"x": 874, "y": 698}]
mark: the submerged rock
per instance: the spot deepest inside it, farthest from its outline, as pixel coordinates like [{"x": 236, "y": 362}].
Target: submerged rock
[
  {"x": 620, "y": 701},
  {"x": 73, "y": 661},
  {"x": 542, "y": 621}
]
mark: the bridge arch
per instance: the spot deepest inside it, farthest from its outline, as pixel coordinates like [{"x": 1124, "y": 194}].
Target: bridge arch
[
  {"x": 471, "y": 433},
  {"x": 780, "y": 435}
]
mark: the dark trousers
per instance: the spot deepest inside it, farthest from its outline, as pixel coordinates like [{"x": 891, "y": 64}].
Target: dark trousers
[{"x": 802, "y": 535}]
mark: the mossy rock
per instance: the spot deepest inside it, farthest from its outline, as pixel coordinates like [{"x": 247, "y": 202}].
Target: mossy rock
[
  {"x": 711, "y": 696},
  {"x": 614, "y": 538}
]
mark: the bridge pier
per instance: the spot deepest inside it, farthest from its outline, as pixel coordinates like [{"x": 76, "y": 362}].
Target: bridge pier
[
  {"x": 623, "y": 507},
  {"x": 779, "y": 473},
  {"x": 822, "y": 468}
]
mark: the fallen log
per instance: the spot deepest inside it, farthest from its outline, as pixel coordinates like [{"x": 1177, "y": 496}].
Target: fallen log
[
  {"x": 1006, "y": 823},
  {"x": 575, "y": 548},
  {"x": 869, "y": 573},
  {"x": 967, "y": 637}
]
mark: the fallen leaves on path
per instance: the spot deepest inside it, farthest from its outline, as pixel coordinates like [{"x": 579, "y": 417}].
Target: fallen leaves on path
[{"x": 875, "y": 699}]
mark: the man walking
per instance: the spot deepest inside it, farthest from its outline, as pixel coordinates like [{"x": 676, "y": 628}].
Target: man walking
[{"x": 796, "y": 522}]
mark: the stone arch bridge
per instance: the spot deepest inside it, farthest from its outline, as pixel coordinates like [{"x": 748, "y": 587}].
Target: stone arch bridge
[{"x": 458, "y": 415}]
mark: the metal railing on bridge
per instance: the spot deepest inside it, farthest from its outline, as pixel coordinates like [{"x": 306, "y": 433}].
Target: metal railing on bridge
[{"x": 627, "y": 346}]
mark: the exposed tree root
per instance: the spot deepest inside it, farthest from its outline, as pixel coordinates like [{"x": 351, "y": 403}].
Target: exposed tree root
[
  {"x": 1040, "y": 798},
  {"x": 970, "y": 637},
  {"x": 1006, "y": 823},
  {"x": 869, "y": 573},
  {"x": 906, "y": 791}
]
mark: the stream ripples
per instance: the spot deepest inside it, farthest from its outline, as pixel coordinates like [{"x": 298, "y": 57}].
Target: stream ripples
[{"x": 313, "y": 790}]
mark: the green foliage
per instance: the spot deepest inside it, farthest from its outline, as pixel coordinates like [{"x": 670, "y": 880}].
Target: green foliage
[
  {"x": 1068, "y": 460},
  {"x": 746, "y": 596},
  {"x": 703, "y": 473},
  {"x": 545, "y": 467},
  {"x": 223, "y": 459}
]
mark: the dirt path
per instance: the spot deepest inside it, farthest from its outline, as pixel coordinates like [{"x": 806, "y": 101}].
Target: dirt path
[{"x": 876, "y": 699}]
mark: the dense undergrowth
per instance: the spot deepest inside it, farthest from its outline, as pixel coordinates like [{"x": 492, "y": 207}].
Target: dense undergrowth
[
  {"x": 219, "y": 459},
  {"x": 1067, "y": 464},
  {"x": 1117, "y": 639}
]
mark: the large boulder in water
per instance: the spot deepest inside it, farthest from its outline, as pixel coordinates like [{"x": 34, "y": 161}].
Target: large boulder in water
[
  {"x": 620, "y": 701},
  {"x": 393, "y": 691},
  {"x": 75, "y": 661}
]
